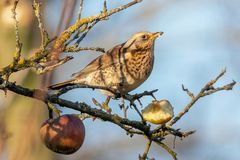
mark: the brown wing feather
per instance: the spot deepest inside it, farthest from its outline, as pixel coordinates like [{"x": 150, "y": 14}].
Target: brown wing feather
[{"x": 107, "y": 59}]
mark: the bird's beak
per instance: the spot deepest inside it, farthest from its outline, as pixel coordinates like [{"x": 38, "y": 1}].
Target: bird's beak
[{"x": 156, "y": 35}]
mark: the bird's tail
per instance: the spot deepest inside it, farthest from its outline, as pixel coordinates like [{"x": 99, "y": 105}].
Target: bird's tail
[{"x": 62, "y": 84}]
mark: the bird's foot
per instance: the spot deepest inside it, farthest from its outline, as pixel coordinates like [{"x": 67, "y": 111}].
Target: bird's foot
[
  {"x": 123, "y": 107},
  {"x": 104, "y": 105}
]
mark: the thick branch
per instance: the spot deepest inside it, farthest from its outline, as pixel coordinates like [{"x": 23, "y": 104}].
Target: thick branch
[{"x": 82, "y": 107}]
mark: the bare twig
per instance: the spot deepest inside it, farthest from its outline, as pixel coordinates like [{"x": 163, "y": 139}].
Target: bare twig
[
  {"x": 135, "y": 97},
  {"x": 44, "y": 34},
  {"x": 137, "y": 110},
  {"x": 144, "y": 156},
  {"x": 169, "y": 150},
  {"x": 163, "y": 131},
  {"x": 226, "y": 87},
  {"x": 86, "y": 32},
  {"x": 44, "y": 69},
  {"x": 17, "y": 55},
  {"x": 76, "y": 36},
  {"x": 206, "y": 90},
  {"x": 190, "y": 94},
  {"x": 80, "y": 10},
  {"x": 72, "y": 29},
  {"x": 105, "y": 6},
  {"x": 75, "y": 49}
]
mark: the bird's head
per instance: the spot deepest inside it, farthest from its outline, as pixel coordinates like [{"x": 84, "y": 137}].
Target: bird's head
[{"x": 141, "y": 41}]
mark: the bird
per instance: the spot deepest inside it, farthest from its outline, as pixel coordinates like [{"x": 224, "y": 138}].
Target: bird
[{"x": 122, "y": 68}]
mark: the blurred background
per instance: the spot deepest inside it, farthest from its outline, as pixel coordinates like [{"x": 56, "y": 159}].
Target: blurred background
[{"x": 200, "y": 39}]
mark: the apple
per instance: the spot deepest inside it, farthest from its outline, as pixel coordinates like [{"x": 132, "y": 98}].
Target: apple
[
  {"x": 158, "y": 112},
  {"x": 64, "y": 134}
]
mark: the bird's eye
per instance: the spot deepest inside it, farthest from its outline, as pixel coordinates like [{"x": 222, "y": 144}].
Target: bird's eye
[{"x": 144, "y": 37}]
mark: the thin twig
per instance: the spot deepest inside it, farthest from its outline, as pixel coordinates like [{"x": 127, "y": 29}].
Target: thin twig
[
  {"x": 44, "y": 34},
  {"x": 206, "y": 90},
  {"x": 17, "y": 55},
  {"x": 80, "y": 10},
  {"x": 76, "y": 36},
  {"x": 72, "y": 29},
  {"x": 137, "y": 110},
  {"x": 163, "y": 131},
  {"x": 78, "y": 49},
  {"x": 140, "y": 95},
  {"x": 169, "y": 150},
  {"x": 190, "y": 94},
  {"x": 105, "y": 6},
  {"x": 86, "y": 32},
  {"x": 133, "y": 98},
  {"x": 44, "y": 69},
  {"x": 144, "y": 156},
  {"x": 226, "y": 87}
]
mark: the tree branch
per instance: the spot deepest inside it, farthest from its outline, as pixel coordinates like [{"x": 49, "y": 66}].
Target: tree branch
[
  {"x": 17, "y": 55},
  {"x": 132, "y": 127},
  {"x": 206, "y": 90}
]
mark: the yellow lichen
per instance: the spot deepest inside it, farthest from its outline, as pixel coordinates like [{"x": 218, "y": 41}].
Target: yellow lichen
[
  {"x": 67, "y": 33},
  {"x": 11, "y": 65},
  {"x": 16, "y": 54},
  {"x": 21, "y": 61}
]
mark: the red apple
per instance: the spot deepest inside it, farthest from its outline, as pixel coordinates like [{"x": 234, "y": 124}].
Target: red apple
[{"x": 64, "y": 134}]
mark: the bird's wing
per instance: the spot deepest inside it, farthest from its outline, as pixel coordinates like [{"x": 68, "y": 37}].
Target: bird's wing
[{"x": 111, "y": 57}]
